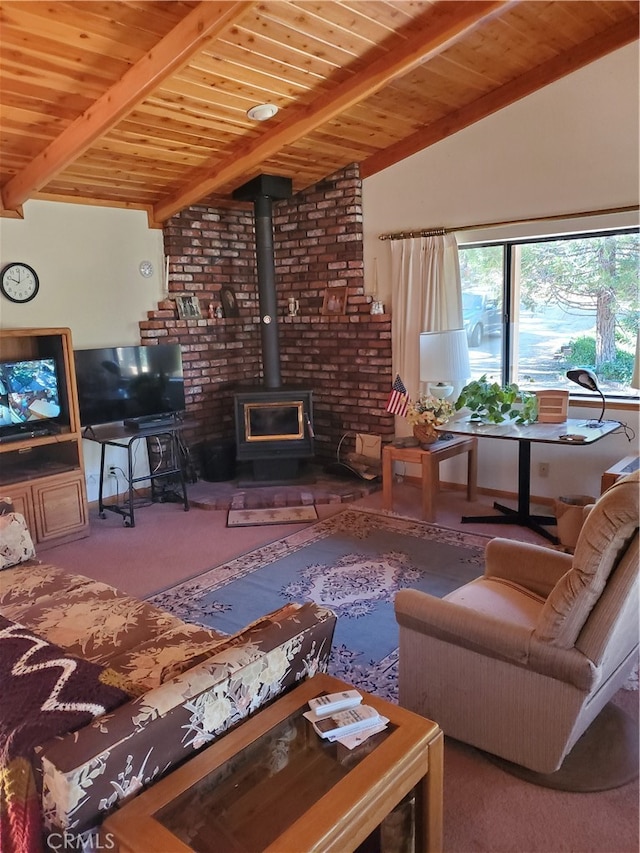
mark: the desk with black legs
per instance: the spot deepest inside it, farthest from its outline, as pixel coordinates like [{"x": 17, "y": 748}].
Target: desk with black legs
[{"x": 572, "y": 432}]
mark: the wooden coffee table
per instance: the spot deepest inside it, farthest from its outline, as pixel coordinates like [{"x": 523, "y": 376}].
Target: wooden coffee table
[{"x": 273, "y": 784}]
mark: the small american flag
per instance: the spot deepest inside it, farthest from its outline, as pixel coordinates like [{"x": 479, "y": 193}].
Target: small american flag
[{"x": 398, "y": 398}]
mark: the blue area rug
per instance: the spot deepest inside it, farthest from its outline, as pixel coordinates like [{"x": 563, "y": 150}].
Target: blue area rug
[{"x": 354, "y": 563}]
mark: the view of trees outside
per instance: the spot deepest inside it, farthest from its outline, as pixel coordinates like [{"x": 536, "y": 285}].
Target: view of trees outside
[{"x": 575, "y": 304}]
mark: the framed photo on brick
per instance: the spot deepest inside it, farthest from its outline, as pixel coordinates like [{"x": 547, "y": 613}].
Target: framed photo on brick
[
  {"x": 188, "y": 308},
  {"x": 335, "y": 300},
  {"x": 229, "y": 302}
]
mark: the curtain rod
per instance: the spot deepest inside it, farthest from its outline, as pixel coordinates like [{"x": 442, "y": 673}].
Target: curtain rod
[{"x": 433, "y": 232}]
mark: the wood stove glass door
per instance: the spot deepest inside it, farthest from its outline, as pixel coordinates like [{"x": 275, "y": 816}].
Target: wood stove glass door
[{"x": 277, "y": 421}]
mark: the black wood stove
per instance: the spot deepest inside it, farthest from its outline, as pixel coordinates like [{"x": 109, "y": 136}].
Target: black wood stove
[{"x": 274, "y": 423}]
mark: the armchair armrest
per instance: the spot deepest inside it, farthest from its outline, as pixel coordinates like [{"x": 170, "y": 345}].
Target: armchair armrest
[
  {"x": 536, "y": 567},
  {"x": 487, "y": 635},
  {"x": 452, "y": 623}
]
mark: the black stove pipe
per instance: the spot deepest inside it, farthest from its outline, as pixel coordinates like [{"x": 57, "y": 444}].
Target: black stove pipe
[
  {"x": 266, "y": 269},
  {"x": 262, "y": 191}
]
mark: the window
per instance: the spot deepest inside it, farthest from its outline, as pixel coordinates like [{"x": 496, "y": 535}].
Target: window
[{"x": 532, "y": 309}]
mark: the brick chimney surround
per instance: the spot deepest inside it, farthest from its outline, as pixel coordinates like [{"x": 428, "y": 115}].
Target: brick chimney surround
[{"x": 345, "y": 359}]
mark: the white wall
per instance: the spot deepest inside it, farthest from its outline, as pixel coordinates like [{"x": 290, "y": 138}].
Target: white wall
[
  {"x": 87, "y": 262},
  {"x": 573, "y": 146}
]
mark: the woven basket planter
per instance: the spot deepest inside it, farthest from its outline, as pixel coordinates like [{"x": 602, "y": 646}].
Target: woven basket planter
[{"x": 425, "y": 433}]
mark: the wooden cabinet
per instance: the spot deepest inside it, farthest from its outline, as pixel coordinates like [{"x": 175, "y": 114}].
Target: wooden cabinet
[
  {"x": 44, "y": 474},
  {"x": 21, "y": 499}
]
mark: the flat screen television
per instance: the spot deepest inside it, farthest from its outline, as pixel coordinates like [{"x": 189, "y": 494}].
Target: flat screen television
[
  {"x": 29, "y": 395},
  {"x": 133, "y": 383}
]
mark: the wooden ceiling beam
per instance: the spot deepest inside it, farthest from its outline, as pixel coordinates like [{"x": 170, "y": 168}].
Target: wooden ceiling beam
[
  {"x": 548, "y": 72},
  {"x": 460, "y": 19},
  {"x": 203, "y": 24}
]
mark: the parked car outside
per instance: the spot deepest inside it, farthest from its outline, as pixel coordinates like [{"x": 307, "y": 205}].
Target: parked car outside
[{"x": 481, "y": 317}]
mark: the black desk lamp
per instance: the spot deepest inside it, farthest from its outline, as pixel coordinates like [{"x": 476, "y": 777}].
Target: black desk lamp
[{"x": 587, "y": 378}]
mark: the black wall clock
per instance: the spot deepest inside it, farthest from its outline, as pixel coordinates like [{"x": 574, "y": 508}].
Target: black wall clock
[{"x": 19, "y": 282}]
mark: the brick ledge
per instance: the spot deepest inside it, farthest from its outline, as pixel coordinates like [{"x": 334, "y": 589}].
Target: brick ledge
[{"x": 325, "y": 490}]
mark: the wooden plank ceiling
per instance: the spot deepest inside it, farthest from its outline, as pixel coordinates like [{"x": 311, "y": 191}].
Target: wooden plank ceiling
[{"x": 143, "y": 103}]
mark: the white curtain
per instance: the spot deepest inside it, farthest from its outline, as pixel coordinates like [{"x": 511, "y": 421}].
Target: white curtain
[{"x": 427, "y": 297}]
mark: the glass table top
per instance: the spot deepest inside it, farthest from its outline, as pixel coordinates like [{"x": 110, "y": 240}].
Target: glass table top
[{"x": 250, "y": 800}]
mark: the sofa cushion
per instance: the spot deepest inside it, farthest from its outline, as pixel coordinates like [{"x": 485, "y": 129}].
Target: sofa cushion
[
  {"x": 144, "y": 645},
  {"x": 164, "y": 656},
  {"x": 93, "y": 620},
  {"x": 16, "y": 544},
  {"x": 90, "y": 619},
  {"x": 31, "y": 582}
]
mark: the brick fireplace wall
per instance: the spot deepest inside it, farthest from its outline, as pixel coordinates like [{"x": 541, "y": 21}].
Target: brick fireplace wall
[{"x": 344, "y": 359}]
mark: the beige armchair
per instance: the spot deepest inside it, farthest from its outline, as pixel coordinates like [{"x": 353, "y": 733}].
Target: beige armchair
[{"x": 520, "y": 661}]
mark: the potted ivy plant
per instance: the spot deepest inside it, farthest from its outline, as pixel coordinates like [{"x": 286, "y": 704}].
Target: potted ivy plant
[{"x": 494, "y": 403}]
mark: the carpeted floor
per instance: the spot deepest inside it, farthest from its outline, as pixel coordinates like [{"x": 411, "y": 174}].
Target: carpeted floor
[{"x": 354, "y": 563}]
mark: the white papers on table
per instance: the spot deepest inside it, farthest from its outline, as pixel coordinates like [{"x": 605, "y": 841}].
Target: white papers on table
[{"x": 350, "y": 727}]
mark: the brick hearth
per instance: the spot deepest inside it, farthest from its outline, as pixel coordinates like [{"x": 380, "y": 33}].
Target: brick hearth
[{"x": 325, "y": 490}]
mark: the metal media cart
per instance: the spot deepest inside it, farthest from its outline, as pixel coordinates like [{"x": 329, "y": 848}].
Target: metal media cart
[{"x": 117, "y": 435}]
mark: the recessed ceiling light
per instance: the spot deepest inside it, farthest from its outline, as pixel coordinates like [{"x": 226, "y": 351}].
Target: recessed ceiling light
[{"x": 261, "y": 112}]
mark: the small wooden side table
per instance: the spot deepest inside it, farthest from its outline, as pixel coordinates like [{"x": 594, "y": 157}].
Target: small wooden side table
[{"x": 429, "y": 460}]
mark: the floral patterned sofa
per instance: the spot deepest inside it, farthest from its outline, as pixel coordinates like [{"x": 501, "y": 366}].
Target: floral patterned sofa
[{"x": 115, "y": 691}]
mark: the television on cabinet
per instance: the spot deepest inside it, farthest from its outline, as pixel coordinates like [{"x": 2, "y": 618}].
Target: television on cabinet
[
  {"x": 137, "y": 384},
  {"x": 29, "y": 395}
]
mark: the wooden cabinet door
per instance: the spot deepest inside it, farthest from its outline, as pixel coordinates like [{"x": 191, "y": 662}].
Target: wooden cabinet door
[
  {"x": 60, "y": 507},
  {"x": 22, "y": 503}
]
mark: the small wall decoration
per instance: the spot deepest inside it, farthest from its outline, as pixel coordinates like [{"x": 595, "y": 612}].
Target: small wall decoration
[
  {"x": 335, "y": 300},
  {"x": 188, "y": 307},
  {"x": 229, "y": 302},
  {"x": 293, "y": 306}
]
